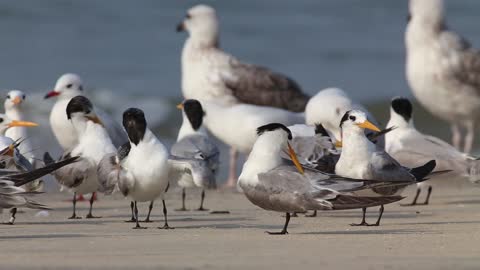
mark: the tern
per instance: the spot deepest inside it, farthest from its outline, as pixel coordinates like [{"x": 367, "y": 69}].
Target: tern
[
  {"x": 443, "y": 70},
  {"x": 408, "y": 146},
  {"x": 362, "y": 159}
]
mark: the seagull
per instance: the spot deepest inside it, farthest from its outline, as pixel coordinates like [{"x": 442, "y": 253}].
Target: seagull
[
  {"x": 142, "y": 172},
  {"x": 408, "y": 146},
  {"x": 327, "y": 108},
  {"x": 14, "y": 110},
  {"x": 12, "y": 195},
  {"x": 93, "y": 144},
  {"x": 211, "y": 74},
  {"x": 443, "y": 70},
  {"x": 269, "y": 183},
  {"x": 67, "y": 87},
  {"x": 193, "y": 146},
  {"x": 362, "y": 159},
  {"x": 235, "y": 125}
]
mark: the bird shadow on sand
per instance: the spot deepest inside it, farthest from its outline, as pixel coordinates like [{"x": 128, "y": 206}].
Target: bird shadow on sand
[
  {"x": 474, "y": 201},
  {"x": 231, "y": 226},
  {"x": 370, "y": 232},
  {"x": 441, "y": 223},
  {"x": 41, "y": 236}
]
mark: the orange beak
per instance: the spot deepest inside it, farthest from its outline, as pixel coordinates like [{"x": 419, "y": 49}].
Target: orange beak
[
  {"x": 95, "y": 119},
  {"x": 293, "y": 157},
  {"x": 11, "y": 150},
  {"x": 16, "y": 123},
  {"x": 368, "y": 125},
  {"x": 17, "y": 100},
  {"x": 180, "y": 106},
  {"x": 52, "y": 93}
]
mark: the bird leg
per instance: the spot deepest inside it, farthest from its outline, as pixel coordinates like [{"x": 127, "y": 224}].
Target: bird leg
[
  {"x": 183, "y": 201},
  {"x": 232, "y": 175},
  {"x": 133, "y": 214},
  {"x": 92, "y": 199},
  {"x": 74, "y": 202},
  {"x": 363, "y": 223},
  {"x": 165, "y": 226},
  {"x": 379, "y": 217},
  {"x": 414, "y": 199},
  {"x": 137, "y": 226},
  {"x": 201, "y": 202},
  {"x": 469, "y": 138},
  {"x": 13, "y": 211},
  {"x": 284, "y": 230},
  {"x": 314, "y": 214},
  {"x": 150, "y": 207},
  {"x": 428, "y": 195},
  {"x": 456, "y": 136}
]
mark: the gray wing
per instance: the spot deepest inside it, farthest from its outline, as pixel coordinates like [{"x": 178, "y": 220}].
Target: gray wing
[
  {"x": 199, "y": 169},
  {"x": 72, "y": 175},
  {"x": 384, "y": 168},
  {"x": 259, "y": 86},
  {"x": 115, "y": 131},
  {"x": 197, "y": 147},
  {"x": 108, "y": 173}
]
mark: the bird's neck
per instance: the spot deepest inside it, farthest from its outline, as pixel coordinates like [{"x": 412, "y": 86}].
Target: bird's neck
[
  {"x": 186, "y": 129},
  {"x": 201, "y": 42},
  {"x": 14, "y": 113},
  {"x": 356, "y": 150}
]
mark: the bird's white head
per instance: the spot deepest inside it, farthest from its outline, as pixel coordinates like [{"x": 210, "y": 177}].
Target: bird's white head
[
  {"x": 355, "y": 122},
  {"x": 201, "y": 23},
  {"x": 14, "y": 100},
  {"x": 6, "y": 123},
  {"x": 429, "y": 13},
  {"x": 80, "y": 111},
  {"x": 401, "y": 112},
  {"x": 68, "y": 86}
]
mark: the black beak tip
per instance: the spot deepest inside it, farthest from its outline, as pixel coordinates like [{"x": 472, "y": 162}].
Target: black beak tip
[{"x": 180, "y": 27}]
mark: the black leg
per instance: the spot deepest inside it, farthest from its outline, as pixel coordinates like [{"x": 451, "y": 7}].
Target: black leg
[
  {"x": 136, "y": 217},
  {"x": 314, "y": 214},
  {"x": 183, "y": 201},
  {"x": 92, "y": 199},
  {"x": 150, "y": 207},
  {"x": 379, "y": 217},
  {"x": 363, "y": 223},
  {"x": 414, "y": 199},
  {"x": 284, "y": 230},
  {"x": 12, "y": 217},
  {"x": 201, "y": 201},
  {"x": 428, "y": 195},
  {"x": 74, "y": 202},
  {"x": 133, "y": 214},
  {"x": 165, "y": 226}
]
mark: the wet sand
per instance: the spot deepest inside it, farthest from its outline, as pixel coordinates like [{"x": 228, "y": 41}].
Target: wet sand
[{"x": 443, "y": 235}]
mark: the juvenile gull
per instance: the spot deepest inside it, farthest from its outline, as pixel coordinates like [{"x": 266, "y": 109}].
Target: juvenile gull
[
  {"x": 443, "y": 70},
  {"x": 93, "y": 144},
  {"x": 211, "y": 74},
  {"x": 195, "y": 154},
  {"x": 362, "y": 159},
  {"x": 270, "y": 184},
  {"x": 409, "y": 146}
]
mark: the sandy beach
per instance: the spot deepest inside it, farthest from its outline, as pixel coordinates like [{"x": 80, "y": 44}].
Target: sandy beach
[{"x": 443, "y": 235}]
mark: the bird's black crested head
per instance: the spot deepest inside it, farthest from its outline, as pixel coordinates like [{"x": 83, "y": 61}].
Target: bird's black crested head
[
  {"x": 135, "y": 124},
  {"x": 345, "y": 118},
  {"x": 194, "y": 111},
  {"x": 79, "y": 104},
  {"x": 403, "y": 107},
  {"x": 272, "y": 127},
  {"x": 319, "y": 129}
]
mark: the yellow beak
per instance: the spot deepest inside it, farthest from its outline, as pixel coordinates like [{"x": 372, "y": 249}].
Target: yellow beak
[
  {"x": 293, "y": 157},
  {"x": 17, "y": 100},
  {"x": 338, "y": 144},
  {"x": 180, "y": 106},
  {"x": 368, "y": 125},
  {"x": 16, "y": 123},
  {"x": 11, "y": 150},
  {"x": 95, "y": 119}
]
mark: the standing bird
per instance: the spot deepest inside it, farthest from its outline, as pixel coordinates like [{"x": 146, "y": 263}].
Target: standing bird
[
  {"x": 272, "y": 184},
  {"x": 362, "y": 159},
  {"x": 141, "y": 173},
  {"x": 211, "y": 74},
  {"x": 67, "y": 87},
  {"x": 194, "y": 147},
  {"x": 408, "y": 146},
  {"x": 443, "y": 70},
  {"x": 93, "y": 144}
]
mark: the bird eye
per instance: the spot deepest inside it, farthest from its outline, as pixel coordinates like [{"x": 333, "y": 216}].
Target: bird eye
[
  {"x": 188, "y": 16},
  {"x": 24, "y": 97},
  {"x": 69, "y": 85},
  {"x": 8, "y": 97},
  {"x": 1, "y": 120},
  {"x": 353, "y": 118}
]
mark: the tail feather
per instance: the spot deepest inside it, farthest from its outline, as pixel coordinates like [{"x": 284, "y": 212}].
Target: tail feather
[
  {"x": 474, "y": 171},
  {"x": 423, "y": 171},
  {"x": 34, "y": 205}
]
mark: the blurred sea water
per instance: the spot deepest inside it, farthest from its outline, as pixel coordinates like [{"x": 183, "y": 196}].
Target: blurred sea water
[{"x": 128, "y": 52}]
